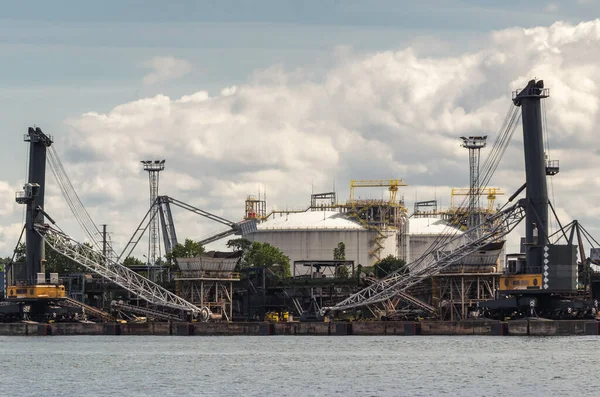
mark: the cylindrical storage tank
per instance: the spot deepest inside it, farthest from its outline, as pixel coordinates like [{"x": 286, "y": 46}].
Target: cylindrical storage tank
[
  {"x": 313, "y": 235},
  {"x": 422, "y": 233}
]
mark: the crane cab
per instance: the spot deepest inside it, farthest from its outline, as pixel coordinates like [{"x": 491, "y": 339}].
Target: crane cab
[
  {"x": 35, "y": 292},
  {"x": 51, "y": 290}
]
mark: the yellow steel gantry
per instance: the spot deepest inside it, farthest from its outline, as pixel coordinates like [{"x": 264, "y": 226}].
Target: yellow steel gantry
[
  {"x": 359, "y": 208},
  {"x": 490, "y": 192},
  {"x": 391, "y": 184}
]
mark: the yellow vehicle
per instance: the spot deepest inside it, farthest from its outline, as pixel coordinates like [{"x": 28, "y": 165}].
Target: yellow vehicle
[{"x": 276, "y": 317}]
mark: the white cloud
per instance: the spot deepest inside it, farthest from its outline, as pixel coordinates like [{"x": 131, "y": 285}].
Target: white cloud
[
  {"x": 390, "y": 114},
  {"x": 165, "y": 68}
]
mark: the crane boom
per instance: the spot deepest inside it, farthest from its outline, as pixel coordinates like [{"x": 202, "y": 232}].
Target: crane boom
[
  {"x": 168, "y": 226},
  {"x": 162, "y": 202},
  {"x": 435, "y": 260},
  {"x": 92, "y": 260}
]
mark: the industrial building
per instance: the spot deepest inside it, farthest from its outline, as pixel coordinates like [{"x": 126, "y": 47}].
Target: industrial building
[{"x": 369, "y": 229}]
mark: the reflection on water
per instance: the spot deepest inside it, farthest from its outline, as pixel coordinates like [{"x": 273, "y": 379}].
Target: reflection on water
[{"x": 299, "y": 366}]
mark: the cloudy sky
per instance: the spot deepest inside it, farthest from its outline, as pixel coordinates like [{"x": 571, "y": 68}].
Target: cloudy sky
[{"x": 288, "y": 97}]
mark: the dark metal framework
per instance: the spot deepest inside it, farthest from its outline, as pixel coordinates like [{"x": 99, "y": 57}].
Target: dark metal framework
[
  {"x": 162, "y": 204},
  {"x": 536, "y": 194},
  {"x": 436, "y": 260},
  {"x": 33, "y": 196}
]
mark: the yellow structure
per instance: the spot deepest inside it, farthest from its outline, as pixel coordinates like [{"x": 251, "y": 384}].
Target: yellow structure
[
  {"x": 518, "y": 282},
  {"x": 490, "y": 192},
  {"x": 378, "y": 215},
  {"x": 275, "y": 317},
  {"x": 256, "y": 208},
  {"x": 49, "y": 291},
  {"x": 391, "y": 184}
]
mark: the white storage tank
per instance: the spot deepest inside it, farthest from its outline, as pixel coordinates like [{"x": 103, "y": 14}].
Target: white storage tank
[
  {"x": 313, "y": 235},
  {"x": 422, "y": 232}
]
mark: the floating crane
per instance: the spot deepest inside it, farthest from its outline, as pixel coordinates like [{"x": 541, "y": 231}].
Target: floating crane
[
  {"x": 29, "y": 294},
  {"x": 544, "y": 279}
]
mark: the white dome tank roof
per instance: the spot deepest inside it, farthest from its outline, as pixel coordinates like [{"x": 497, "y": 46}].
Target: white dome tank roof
[
  {"x": 310, "y": 220},
  {"x": 430, "y": 226}
]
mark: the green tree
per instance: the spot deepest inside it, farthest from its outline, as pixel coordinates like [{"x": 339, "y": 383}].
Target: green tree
[
  {"x": 189, "y": 249},
  {"x": 239, "y": 244},
  {"x": 265, "y": 255},
  {"x": 389, "y": 264},
  {"x": 132, "y": 261},
  {"x": 20, "y": 253},
  {"x": 55, "y": 262},
  {"x": 339, "y": 254}
]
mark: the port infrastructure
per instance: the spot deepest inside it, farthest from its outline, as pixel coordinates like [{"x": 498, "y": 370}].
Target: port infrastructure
[
  {"x": 30, "y": 294},
  {"x": 546, "y": 278}
]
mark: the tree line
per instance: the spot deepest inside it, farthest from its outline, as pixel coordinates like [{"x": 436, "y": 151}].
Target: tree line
[{"x": 254, "y": 254}]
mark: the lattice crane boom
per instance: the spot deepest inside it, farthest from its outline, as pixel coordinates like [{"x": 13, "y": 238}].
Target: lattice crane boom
[
  {"x": 436, "y": 260},
  {"x": 93, "y": 260}
]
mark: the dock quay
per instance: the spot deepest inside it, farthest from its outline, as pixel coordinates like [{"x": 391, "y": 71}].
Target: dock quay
[{"x": 406, "y": 328}]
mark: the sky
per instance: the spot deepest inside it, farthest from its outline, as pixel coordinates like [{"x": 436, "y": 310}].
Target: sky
[{"x": 287, "y": 98}]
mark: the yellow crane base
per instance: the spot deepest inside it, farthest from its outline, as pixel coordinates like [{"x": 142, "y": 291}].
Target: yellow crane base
[{"x": 26, "y": 292}]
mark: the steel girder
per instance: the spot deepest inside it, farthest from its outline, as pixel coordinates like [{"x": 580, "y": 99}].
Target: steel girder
[
  {"x": 436, "y": 260},
  {"x": 116, "y": 305},
  {"x": 114, "y": 272}
]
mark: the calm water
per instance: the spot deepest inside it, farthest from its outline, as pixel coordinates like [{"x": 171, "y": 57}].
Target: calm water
[{"x": 299, "y": 366}]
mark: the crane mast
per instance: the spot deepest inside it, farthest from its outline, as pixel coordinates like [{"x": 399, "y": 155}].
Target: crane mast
[
  {"x": 33, "y": 196},
  {"x": 536, "y": 194}
]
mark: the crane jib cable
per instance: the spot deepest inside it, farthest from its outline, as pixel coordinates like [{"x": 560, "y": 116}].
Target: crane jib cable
[
  {"x": 73, "y": 200},
  {"x": 488, "y": 169},
  {"x": 71, "y": 197}
]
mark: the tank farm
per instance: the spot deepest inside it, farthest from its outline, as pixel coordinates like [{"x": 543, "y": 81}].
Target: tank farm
[{"x": 356, "y": 266}]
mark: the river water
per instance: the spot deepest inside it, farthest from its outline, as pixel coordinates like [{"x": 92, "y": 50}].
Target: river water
[{"x": 299, "y": 366}]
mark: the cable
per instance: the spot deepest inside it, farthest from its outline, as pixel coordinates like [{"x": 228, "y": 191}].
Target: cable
[
  {"x": 545, "y": 133},
  {"x": 490, "y": 165},
  {"x": 73, "y": 200}
]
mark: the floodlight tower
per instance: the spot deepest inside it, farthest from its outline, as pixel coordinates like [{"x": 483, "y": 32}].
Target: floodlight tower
[
  {"x": 154, "y": 167},
  {"x": 474, "y": 144}
]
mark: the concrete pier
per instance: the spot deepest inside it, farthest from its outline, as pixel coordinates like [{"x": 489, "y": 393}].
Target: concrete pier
[{"x": 533, "y": 327}]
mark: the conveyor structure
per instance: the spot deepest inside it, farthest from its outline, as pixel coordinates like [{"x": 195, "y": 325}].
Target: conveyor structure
[
  {"x": 126, "y": 278},
  {"x": 436, "y": 260},
  {"x": 162, "y": 205}
]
